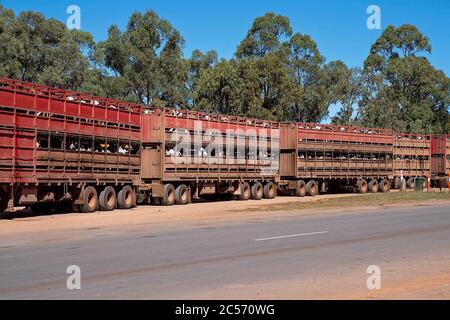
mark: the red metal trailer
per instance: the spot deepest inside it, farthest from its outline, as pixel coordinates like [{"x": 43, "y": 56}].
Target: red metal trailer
[
  {"x": 412, "y": 158},
  {"x": 321, "y": 157},
  {"x": 440, "y": 160},
  {"x": 62, "y": 145},
  {"x": 97, "y": 153},
  {"x": 186, "y": 154}
]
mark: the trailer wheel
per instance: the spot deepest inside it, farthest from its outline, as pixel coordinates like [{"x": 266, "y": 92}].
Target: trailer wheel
[
  {"x": 257, "y": 191},
  {"x": 90, "y": 199},
  {"x": 126, "y": 198},
  {"x": 384, "y": 186},
  {"x": 301, "y": 189},
  {"x": 246, "y": 192},
  {"x": 168, "y": 198},
  {"x": 181, "y": 194},
  {"x": 373, "y": 186},
  {"x": 108, "y": 199},
  {"x": 270, "y": 191},
  {"x": 311, "y": 188},
  {"x": 410, "y": 184},
  {"x": 362, "y": 186}
]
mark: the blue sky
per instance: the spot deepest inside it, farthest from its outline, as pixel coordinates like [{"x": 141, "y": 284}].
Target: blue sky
[{"x": 339, "y": 27}]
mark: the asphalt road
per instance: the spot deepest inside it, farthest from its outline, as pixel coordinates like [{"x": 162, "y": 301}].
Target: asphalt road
[{"x": 283, "y": 257}]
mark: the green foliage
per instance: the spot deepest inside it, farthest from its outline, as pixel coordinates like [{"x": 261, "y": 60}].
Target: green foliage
[
  {"x": 265, "y": 36},
  {"x": 146, "y": 61},
  {"x": 310, "y": 96},
  {"x": 407, "y": 93},
  {"x": 276, "y": 74},
  {"x": 350, "y": 91},
  {"x": 229, "y": 88},
  {"x": 41, "y": 50},
  {"x": 197, "y": 65},
  {"x": 282, "y": 74}
]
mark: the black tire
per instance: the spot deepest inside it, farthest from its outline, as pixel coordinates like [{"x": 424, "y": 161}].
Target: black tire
[
  {"x": 311, "y": 188},
  {"x": 90, "y": 199},
  {"x": 270, "y": 190},
  {"x": 246, "y": 192},
  {"x": 107, "y": 199},
  {"x": 168, "y": 198},
  {"x": 384, "y": 186},
  {"x": 157, "y": 201},
  {"x": 126, "y": 198},
  {"x": 181, "y": 194},
  {"x": 362, "y": 186},
  {"x": 411, "y": 183},
  {"x": 301, "y": 189},
  {"x": 257, "y": 191},
  {"x": 373, "y": 186}
]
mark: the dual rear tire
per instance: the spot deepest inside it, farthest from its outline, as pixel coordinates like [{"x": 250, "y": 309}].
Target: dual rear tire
[
  {"x": 373, "y": 186},
  {"x": 108, "y": 200},
  {"x": 362, "y": 186},
  {"x": 171, "y": 195},
  {"x": 384, "y": 186},
  {"x": 270, "y": 190},
  {"x": 303, "y": 189},
  {"x": 90, "y": 200},
  {"x": 182, "y": 194},
  {"x": 312, "y": 188},
  {"x": 126, "y": 198},
  {"x": 257, "y": 191},
  {"x": 300, "y": 191},
  {"x": 168, "y": 197},
  {"x": 245, "y": 191}
]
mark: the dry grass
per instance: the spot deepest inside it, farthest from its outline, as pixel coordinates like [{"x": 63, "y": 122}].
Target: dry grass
[{"x": 378, "y": 199}]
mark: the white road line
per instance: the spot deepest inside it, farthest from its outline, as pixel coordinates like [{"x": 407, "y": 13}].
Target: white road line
[{"x": 292, "y": 236}]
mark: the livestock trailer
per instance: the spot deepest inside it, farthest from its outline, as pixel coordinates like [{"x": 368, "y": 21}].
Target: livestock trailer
[
  {"x": 186, "y": 154},
  {"x": 412, "y": 158},
  {"x": 60, "y": 145},
  {"x": 440, "y": 160},
  {"x": 320, "y": 157}
]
